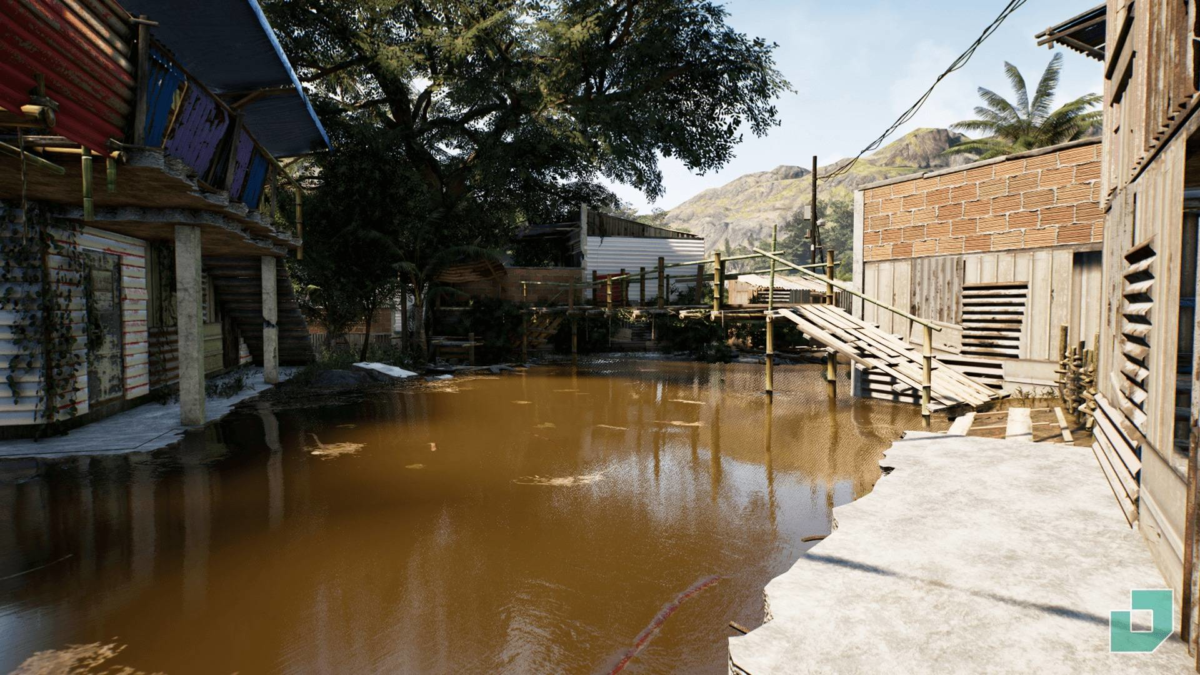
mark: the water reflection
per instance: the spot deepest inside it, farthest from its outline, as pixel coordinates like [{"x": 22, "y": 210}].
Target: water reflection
[{"x": 536, "y": 537}]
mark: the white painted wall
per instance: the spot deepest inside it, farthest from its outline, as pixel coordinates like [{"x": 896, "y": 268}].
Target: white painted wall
[{"x": 609, "y": 255}]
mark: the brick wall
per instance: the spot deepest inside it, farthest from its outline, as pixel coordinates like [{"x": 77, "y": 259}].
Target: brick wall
[{"x": 1030, "y": 200}]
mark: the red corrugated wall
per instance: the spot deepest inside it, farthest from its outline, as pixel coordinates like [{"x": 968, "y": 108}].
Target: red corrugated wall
[{"x": 83, "y": 49}]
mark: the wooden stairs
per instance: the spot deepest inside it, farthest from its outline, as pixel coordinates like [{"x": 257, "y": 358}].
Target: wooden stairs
[
  {"x": 238, "y": 286},
  {"x": 891, "y": 366},
  {"x": 540, "y": 329}
]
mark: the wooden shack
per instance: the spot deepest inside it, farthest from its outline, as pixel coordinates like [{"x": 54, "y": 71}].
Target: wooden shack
[{"x": 1001, "y": 253}]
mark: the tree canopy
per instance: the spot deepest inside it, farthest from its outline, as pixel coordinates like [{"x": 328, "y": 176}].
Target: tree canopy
[
  {"x": 1029, "y": 122},
  {"x": 521, "y": 106}
]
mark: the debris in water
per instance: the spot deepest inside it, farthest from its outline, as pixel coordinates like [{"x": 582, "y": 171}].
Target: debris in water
[
  {"x": 609, "y": 426},
  {"x": 677, "y": 423},
  {"x": 665, "y": 613},
  {"x": 684, "y": 400},
  {"x": 523, "y": 402},
  {"x": 563, "y": 481},
  {"x": 565, "y": 391},
  {"x": 415, "y": 466},
  {"x": 347, "y": 426},
  {"x": 77, "y": 659},
  {"x": 546, "y": 425},
  {"x": 333, "y": 449},
  {"x": 433, "y": 447}
]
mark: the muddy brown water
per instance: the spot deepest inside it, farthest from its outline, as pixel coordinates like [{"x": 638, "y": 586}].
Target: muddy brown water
[{"x": 545, "y": 522}]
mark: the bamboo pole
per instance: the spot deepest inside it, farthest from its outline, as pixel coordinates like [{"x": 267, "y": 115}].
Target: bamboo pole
[
  {"x": 770, "y": 358},
  {"x": 771, "y": 286},
  {"x": 89, "y": 208},
  {"x": 642, "y": 288},
  {"x": 851, "y": 291},
  {"x": 624, "y": 287},
  {"x": 813, "y": 235},
  {"x": 927, "y": 372},
  {"x": 829, "y": 277},
  {"x": 716, "y": 301},
  {"x": 110, "y": 165},
  {"x": 662, "y": 300},
  {"x": 609, "y": 304}
]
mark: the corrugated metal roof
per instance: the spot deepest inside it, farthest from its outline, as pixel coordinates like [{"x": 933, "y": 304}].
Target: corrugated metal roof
[
  {"x": 230, "y": 47},
  {"x": 609, "y": 255}
]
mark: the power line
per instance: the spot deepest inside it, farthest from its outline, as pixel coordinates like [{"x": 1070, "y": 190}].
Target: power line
[{"x": 958, "y": 63}]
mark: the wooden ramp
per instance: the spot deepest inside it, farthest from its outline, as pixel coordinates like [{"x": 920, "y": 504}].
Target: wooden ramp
[{"x": 898, "y": 364}]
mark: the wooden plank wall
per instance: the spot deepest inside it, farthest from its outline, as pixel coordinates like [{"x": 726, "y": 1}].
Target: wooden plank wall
[
  {"x": 1061, "y": 282},
  {"x": 1151, "y": 209}
]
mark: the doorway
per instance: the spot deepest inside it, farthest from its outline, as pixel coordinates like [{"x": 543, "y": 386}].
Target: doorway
[{"x": 104, "y": 328}]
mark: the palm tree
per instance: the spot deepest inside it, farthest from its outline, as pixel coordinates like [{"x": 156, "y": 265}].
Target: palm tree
[{"x": 1009, "y": 128}]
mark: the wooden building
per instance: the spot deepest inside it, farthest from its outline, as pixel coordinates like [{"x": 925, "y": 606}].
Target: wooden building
[
  {"x": 1001, "y": 253},
  {"x": 139, "y": 186},
  {"x": 1150, "y": 198}
]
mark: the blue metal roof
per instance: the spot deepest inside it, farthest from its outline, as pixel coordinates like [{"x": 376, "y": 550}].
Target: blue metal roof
[{"x": 230, "y": 47}]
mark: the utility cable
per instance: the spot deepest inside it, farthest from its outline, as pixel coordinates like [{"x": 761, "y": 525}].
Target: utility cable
[{"x": 958, "y": 63}]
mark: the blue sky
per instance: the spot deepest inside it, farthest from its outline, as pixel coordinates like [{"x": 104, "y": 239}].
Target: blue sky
[{"x": 855, "y": 65}]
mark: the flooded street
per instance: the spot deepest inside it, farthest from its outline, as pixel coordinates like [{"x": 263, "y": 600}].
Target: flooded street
[{"x": 557, "y": 520}]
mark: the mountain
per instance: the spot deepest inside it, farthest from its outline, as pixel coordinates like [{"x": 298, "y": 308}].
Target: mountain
[{"x": 743, "y": 211}]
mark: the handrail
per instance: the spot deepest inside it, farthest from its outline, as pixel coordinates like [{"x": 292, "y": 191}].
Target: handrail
[{"x": 850, "y": 290}]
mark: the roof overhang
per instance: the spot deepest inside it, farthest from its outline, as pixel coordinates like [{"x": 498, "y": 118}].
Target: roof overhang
[
  {"x": 230, "y": 47},
  {"x": 1084, "y": 33}
]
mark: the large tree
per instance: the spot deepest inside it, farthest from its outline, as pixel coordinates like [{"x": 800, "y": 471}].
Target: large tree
[
  {"x": 1028, "y": 123},
  {"x": 516, "y": 108}
]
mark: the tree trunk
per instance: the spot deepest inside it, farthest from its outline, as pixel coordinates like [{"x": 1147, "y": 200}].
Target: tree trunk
[
  {"x": 419, "y": 319},
  {"x": 404, "y": 318},
  {"x": 366, "y": 345}
]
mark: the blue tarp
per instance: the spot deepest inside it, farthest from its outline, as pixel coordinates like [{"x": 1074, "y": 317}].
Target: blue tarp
[{"x": 229, "y": 46}]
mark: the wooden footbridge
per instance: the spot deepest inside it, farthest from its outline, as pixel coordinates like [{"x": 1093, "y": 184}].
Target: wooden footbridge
[{"x": 883, "y": 359}]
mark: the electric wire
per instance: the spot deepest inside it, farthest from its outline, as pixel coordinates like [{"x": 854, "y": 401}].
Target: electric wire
[{"x": 957, "y": 64}]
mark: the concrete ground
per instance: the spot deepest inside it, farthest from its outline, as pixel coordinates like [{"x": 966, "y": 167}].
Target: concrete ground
[
  {"x": 972, "y": 555},
  {"x": 145, "y": 428}
]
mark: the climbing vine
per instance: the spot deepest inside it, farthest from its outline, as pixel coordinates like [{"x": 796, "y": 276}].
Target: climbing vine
[{"x": 43, "y": 275}]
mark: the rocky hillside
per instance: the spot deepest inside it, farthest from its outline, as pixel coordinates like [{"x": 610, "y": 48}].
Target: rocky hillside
[{"x": 742, "y": 212}]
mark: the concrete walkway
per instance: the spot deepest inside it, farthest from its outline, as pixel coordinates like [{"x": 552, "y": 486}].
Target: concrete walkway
[
  {"x": 148, "y": 427},
  {"x": 972, "y": 555}
]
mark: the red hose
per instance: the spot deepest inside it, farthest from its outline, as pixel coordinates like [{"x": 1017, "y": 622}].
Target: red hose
[{"x": 665, "y": 613}]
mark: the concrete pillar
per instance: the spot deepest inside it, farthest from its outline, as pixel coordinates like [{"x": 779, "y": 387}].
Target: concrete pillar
[
  {"x": 270, "y": 310},
  {"x": 189, "y": 294}
]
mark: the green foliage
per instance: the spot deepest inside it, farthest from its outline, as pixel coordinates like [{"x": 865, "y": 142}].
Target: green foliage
[
  {"x": 341, "y": 358},
  {"x": 513, "y": 109},
  {"x": 702, "y": 339},
  {"x": 837, "y": 234},
  {"x": 495, "y": 322},
  {"x": 41, "y": 300},
  {"x": 1029, "y": 123}
]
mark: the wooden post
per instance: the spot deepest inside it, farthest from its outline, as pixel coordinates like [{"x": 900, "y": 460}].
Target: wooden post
[
  {"x": 814, "y": 238},
  {"x": 608, "y": 286},
  {"x": 595, "y": 285},
  {"x": 471, "y": 348},
  {"x": 300, "y": 222},
  {"x": 716, "y": 302},
  {"x": 624, "y": 287},
  {"x": 143, "y": 82},
  {"x": 829, "y": 284},
  {"x": 927, "y": 372},
  {"x": 571, "y": 297},
  {"x": 662, "y": 268},
  {"x": 642, "y": 288},
  {"x": 525, "y": 336},
  {"x": 524, "y": 293},
  {"x": 1063, "y": 335},
  {"x": 574, "y": 340},
  {"x": 770, "y": 359}
]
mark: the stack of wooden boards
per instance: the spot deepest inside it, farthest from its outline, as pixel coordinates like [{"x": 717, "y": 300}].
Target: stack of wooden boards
[
  {"x": 540, "y": 328},
  {"x": 1118, "y": 449},
  {"x": 892, "y": 366}
]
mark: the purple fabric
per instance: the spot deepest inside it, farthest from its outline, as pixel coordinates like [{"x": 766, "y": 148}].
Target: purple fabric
[{"x": 241, "y": 164}]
